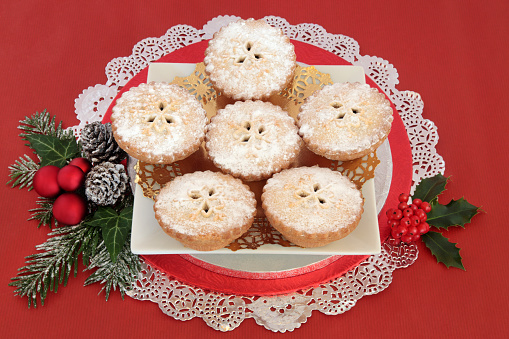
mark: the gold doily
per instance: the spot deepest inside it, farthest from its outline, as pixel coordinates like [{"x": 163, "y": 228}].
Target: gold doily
[
  {"x": 358, "y": 170},
  {"x": 259, "y": 234},
  {"x": 305, "y": 82}
]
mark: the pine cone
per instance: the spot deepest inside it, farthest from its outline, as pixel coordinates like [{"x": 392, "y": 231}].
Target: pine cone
[
  {"x": 99, "y": 145},
  {"x": 106, "y": 183}
]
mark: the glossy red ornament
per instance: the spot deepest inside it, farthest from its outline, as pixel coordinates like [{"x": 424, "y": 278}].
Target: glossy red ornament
[
  {"x": 70, "y": 178},
  {"x": 69, "y": 209},
  {"x": 45, "y": 181},
  {"x": 82, "y": 163}
]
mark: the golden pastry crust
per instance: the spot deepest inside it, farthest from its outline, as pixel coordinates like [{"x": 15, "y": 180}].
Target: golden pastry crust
[
  {"x": 205, "y": 211},
  {"x": 345, "y": 121},
  {"x": 158, "y": 123},
  {"x": 249, "y": 59},
  {"x": 252, "y": 140},
  {"x": 312, "y": 206}
]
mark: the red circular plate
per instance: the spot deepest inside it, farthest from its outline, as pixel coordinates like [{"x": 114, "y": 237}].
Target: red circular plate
[{"x": 215, "y": 278}]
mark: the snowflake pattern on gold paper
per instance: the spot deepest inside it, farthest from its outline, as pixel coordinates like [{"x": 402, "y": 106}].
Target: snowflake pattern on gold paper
[
  {"x": 199, "y": 85},
  {"x": 152, "y": 177},
  {"x": 306, "y": 81},
  {"x": 358, "y": 170},
  {"x": 260, "y": 233}
]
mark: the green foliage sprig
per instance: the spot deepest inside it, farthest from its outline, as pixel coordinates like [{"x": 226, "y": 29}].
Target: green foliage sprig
[
  {"x": 46, "y": 270},
  {"x": 101, "y": 239}
]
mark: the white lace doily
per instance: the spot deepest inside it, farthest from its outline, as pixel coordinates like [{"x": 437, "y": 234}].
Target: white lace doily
[{"x": 283, "y": 312}]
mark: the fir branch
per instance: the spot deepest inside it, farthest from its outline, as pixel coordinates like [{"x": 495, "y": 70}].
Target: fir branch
[
  {"x": 22, "y": 172},
  {"x": 44, "y": 213},
  {"x": 122, "y": 273},
  {"x": 46, "y": 270},
  {"x": 43, "y": 123}
]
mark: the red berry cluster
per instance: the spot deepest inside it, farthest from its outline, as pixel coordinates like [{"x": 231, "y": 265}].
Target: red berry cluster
[
  {"x": 408, "y": 221},
  {"x": 49, "y": 181}
]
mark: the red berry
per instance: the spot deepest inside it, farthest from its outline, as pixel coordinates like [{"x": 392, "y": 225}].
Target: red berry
[
  {"x": 69, "y": 208},
  {"x": 412, "y": 230},
  {"x": 394, "y": 241},
  {"x": 405, "y": 222},
  {"x": 398, "y": 232},
  {"x": 415, "y": 220},
  {"x": 403, "y": 197},
  {"x": 395, "y": 234},
  {"x": 426, "y": 207},
  {"x": 421, "y": 214},
  {"x": 416, "y": 237},
  {"x": 402, "y": 206},
  {"x": 82, "y": 163},
  {"x": 408, "y": 212},
  {"x": 417, "y": 202},
  {"x": 70, "y": 178},
  {"x": 414, "y": 207},
  {"x": 394, "y": 214},
  {"x": 401, "y": 230},
  {"x": 45, "y": 181},
  {"x": 423, "y": 228},
  {"x": 393, "y": 223},
  {"x": 407, "y": 238}
]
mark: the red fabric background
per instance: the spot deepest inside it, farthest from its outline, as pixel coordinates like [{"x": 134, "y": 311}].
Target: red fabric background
[{"x": 454, "y": 54}]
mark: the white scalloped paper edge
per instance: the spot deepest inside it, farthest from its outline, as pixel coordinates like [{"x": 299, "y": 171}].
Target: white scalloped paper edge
[{"x": 284, "y": 312}]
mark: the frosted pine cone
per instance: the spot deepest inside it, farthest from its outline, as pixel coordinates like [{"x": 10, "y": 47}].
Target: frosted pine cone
[
  {"x": 99, "y": 145},
  {"x": 106, "y": 183}
]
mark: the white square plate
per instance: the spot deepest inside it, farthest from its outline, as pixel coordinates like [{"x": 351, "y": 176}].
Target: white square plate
[{"x": 148, "y": 238}]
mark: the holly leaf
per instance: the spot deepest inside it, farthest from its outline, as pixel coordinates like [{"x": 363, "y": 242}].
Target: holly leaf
[
  {"x": 115, "y": 228},
  {"x": 443, "y": 250},
  {"x": 53, "y": 150},
  {"x": 455, "y": 213},
  {"x": 429, "y": 188}
]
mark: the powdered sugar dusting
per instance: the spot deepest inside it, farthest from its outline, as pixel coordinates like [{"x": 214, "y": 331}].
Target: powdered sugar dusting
[
  {"x": 158, "y": 118},
  {"x": 205, "y": 203},
  {"x": 252, "y": 138},
  {"x": 250, "y": 59},
  {"x": 345, "y": 117},
  {"x": 313, "y": 199}
]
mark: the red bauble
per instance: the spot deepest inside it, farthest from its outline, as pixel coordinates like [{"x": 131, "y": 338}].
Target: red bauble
[
  {"x": 69, "y": 209},
  {"x": 70, "y": 178},
  {"x": 82, "y": 163},
  {"x": 45, "y": 181}
]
